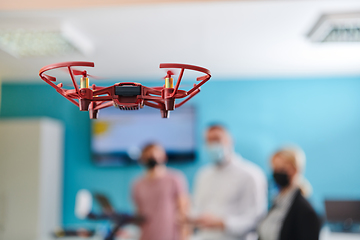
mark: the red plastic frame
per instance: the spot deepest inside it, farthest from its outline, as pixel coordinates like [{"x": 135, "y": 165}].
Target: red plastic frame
[{"x": 95, "y": 98}]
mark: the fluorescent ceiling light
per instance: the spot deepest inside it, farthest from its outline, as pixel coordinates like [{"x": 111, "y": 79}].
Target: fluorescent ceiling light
[
  {"x": 43, "y": 41},
  {"x": 344, "y": 27},
  {"x": 34, "y": 43}
]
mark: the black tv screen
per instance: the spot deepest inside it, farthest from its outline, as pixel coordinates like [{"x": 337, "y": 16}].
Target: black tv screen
[{"x": 118, "y": 136}]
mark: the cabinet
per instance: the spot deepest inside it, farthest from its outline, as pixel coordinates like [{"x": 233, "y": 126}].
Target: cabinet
[{"x": 31, "y": 159}]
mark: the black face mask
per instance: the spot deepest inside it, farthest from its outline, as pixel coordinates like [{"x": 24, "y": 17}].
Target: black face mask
[
  {"x": 281, "y": 179},
  {"x": 151, "y": 163}
]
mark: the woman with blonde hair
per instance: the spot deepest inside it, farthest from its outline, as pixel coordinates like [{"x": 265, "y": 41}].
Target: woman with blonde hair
[{"x": 292, "y": 216}]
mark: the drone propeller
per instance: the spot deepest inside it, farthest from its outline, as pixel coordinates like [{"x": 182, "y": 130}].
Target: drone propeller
[
  {"x": 84, "y": 73},
  {"x": 93, "y": 87},
  {"x": 170, "y": 73},
  {"x": 173, "y": 72}
]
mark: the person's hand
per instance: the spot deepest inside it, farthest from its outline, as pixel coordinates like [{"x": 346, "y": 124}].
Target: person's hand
[
  {"x": 83, "y": 233},
  {"x": 208, "y": 221},
  {"x": 123, "y": 234}
]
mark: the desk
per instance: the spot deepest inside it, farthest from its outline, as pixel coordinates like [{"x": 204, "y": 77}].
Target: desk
[{"x": 326, "y": 234}]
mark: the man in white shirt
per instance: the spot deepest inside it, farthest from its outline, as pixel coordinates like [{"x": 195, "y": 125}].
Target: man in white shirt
[{"x": 230, "y": 195}]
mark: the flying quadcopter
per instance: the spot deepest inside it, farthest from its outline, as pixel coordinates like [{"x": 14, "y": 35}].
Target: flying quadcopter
[{"x": 125, "y": 95}]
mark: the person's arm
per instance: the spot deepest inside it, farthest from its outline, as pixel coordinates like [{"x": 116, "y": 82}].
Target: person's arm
[
  {"x": 248, "y": 210},
  {"x": 135, "y": 198},
  {"x": 252, "y": 204},
  {"x": 197, "y": 195},
  {"x": 250, "y": 207},
  {"x": 183, "y": 207},
  {"x": 182, "y": 197}
]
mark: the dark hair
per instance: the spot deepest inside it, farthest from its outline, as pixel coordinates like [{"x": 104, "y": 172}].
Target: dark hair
[
  {"x": 218, "y": 126},
  {"x": 148, "y": 147}
]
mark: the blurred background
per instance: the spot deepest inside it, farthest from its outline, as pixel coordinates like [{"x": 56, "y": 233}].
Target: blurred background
[{"x": 283, "y": 72}]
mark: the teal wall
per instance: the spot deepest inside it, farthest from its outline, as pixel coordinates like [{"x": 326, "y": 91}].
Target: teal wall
[{"x": 322, "y": 115}]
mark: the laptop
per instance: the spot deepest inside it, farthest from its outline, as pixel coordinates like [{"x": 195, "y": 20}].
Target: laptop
[{"x": 343, "y": 215}]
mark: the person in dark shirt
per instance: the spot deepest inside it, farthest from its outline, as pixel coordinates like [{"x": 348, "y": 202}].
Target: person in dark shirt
[{"x": 292, "y": 217}]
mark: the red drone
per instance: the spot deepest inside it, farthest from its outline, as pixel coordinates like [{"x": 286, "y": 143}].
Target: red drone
[{"x": 124, "y": 95}]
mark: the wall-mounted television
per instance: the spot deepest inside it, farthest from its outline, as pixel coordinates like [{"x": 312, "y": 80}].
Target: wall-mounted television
[{"x": 118, "y": 136}]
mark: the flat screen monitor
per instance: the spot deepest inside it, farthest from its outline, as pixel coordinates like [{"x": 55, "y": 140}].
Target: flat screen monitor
[
  {"x": 118, "y": 136},
  {"x": 340, "y": 211}
]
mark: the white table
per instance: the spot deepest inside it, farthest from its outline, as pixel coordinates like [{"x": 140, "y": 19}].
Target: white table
[{"x": 326, "y": 234}]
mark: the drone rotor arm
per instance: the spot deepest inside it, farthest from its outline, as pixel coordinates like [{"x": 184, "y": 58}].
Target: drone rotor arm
[
  {"x": 151, "y": 90},
  {"x": 203, "y": 79},
  {"x": 152, "y": 98},
  {"x": 49, "y": 79},
  {"x": 73, "y": 79},
  {"x": 197, "y": 86},
  {"x": 181, "y": 94},
  {"x": 153, "y": 105},
  {"x": 68, "y": 65},
  {"x": 177, "y": 83},
  {"x": 70, "y": 99},
  {"x": 94, "y": 87},
  {"x": 158, "y": 89},
  {"x": 104, "y": 104},
  {"x": 71, "y": 94},
  {"x": 57, "y": 88},
  {"x": 102, "y": 98},
  {"x": 188, "y": 98},
  {"x": 104, "y": 91}
]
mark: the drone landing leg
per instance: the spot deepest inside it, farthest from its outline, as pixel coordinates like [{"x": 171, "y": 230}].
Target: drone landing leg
[
  {"x": 84, "y": 104},
  {"x": 93, "y": 114},
  {"x": 164, "y": 113},
  {"x": 169, "y": 102}
]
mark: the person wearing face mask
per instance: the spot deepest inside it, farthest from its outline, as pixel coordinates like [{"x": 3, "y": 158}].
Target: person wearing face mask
[
  {"x": 161, "y": 197},
  {"x": 291, "y": 217},
  {"x": 230, "y": 193}
]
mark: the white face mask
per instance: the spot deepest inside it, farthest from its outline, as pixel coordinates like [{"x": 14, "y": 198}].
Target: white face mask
[{"x": 217, "y": 153}]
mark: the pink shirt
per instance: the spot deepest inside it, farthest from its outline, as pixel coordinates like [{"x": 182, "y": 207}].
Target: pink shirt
[{"x": 157, "y": 200}]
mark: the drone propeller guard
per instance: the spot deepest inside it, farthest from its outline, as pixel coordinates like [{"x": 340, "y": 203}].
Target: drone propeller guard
[{"x": 125, "y": 95}]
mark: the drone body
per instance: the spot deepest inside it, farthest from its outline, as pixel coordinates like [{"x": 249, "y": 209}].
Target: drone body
[{"x": 125, "y": 95}]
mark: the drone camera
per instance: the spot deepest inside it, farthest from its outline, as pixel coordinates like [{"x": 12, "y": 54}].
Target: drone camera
[
  {"x": 127, "y": 90},
  {"x": 132, "y": 107}
]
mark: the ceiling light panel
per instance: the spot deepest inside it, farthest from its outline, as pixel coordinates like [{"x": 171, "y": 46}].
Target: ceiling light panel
[
  {"x": 35, "y": 43},
  {"x": 344, "y": 27}
]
